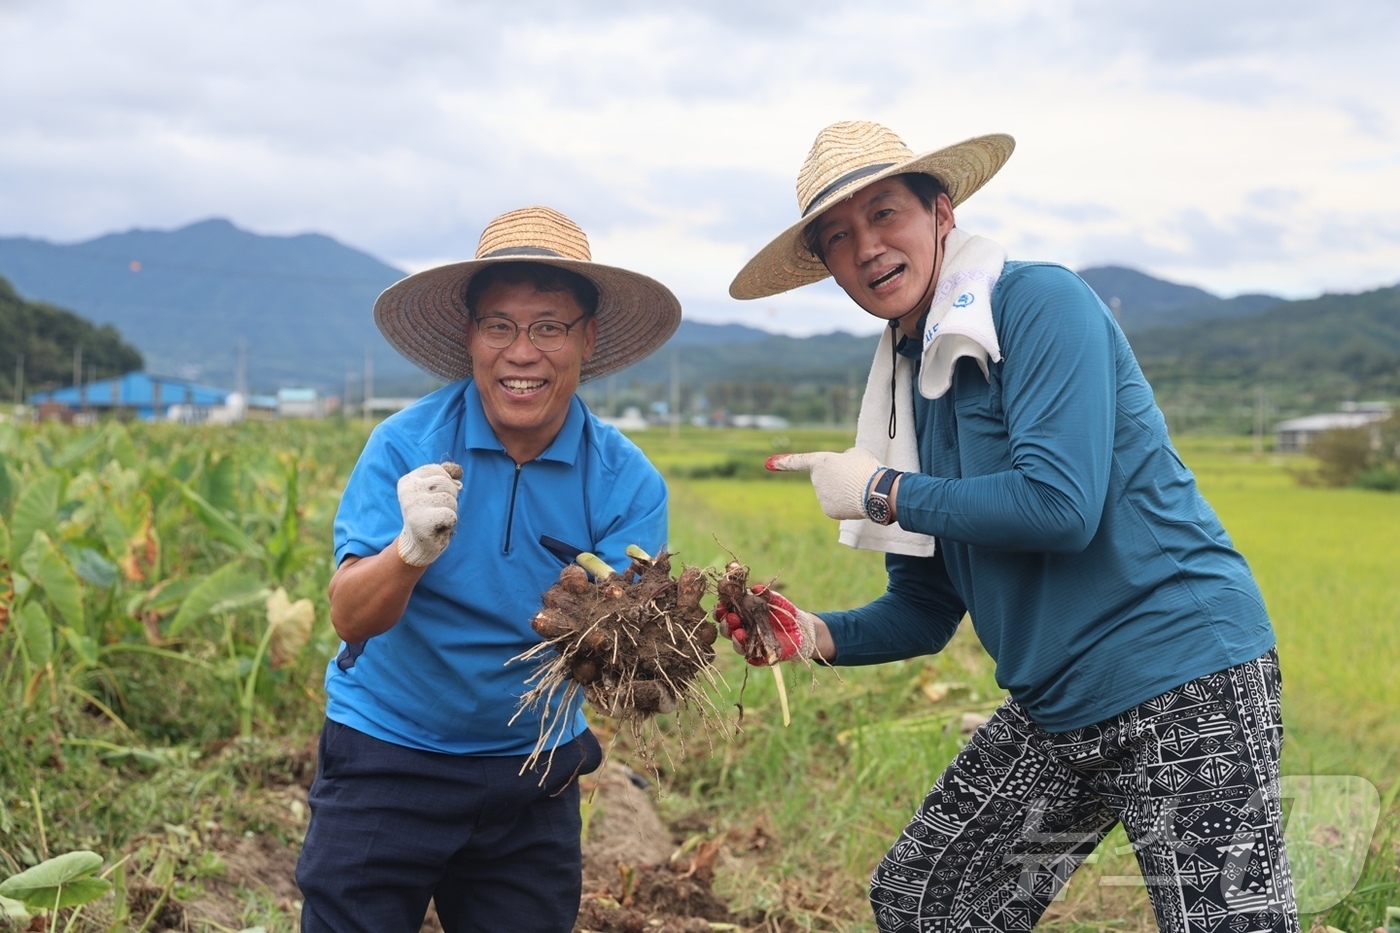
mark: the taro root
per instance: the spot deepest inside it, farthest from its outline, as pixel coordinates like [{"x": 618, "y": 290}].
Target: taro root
[
  {"x": 636, "y": 643},
  {"x": 761, "y": 645}
]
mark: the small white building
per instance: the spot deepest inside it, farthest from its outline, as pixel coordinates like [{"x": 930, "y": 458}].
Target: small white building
[
  {"x": 630, "y": 420},
  {"x": 1297, "y": 434},
  {"x": 299, "y": 403},
  {"x": 761, "y": 422}
]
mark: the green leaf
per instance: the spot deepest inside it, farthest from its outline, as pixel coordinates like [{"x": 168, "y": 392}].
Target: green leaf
[
  {"x": 4, "y": 530},
  {"x": 283, "y": 544},
  {"x": 220, "y": 526},
  {"x": 95, "y": 569},
  {"x": 62, "y": 881},
  {"x": 7, "y": 487},
  {"x": 15, "y": 912},
  {"x": 43, "y": 562},
  {"x": 36, "y": 634},
  {"x": 79, "y": 450},
  {"x": 82, "y": 645},
  {"x": 36, "y": 508},
  {"x": 225, "y": 589},
  {"x": 219, "y": 483},
  {"x": 119, "y": 445}
]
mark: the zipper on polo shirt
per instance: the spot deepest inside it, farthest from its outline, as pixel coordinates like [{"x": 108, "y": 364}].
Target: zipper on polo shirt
[{"x": 510, "y": 510}]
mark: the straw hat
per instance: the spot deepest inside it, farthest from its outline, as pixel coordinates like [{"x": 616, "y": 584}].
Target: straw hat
[
  {"x": 845, "y": 158},
  {"x": 425, "y": 315}
]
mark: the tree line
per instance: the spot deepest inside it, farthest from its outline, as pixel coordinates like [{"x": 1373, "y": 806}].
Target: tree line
[{"x": 44, "y": 347}]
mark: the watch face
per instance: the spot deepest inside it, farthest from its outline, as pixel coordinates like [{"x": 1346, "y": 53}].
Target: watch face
[{"x": 878, "y": 508}]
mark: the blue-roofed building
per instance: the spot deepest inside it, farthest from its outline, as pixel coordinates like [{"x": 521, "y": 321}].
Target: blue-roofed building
[{"x": 137, "y": 395}]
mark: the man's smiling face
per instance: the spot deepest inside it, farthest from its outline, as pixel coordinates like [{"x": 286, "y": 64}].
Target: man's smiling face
[
  {"x": 526, "y": 391},
  {"x": 882, "y": 247}
]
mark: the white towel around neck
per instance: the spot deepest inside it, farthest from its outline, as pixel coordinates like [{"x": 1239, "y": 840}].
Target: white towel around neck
[{"x": 959, "y": 324}]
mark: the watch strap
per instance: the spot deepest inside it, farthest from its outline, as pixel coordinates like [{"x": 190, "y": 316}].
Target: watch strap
[
  {"x": 877, "y": 500},
  {"x": 885, "y": 482}
]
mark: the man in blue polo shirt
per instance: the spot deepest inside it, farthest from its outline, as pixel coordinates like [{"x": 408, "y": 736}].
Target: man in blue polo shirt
[
  {"x": 422, "y": 790},
  {"x": 1011, "y": 462}
]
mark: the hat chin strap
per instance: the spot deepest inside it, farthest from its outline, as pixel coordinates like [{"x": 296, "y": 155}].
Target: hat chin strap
[{"x": 927, "y": 295}]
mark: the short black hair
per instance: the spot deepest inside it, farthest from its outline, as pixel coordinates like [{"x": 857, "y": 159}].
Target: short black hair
[
  {"x": 922, "y": 185},
  {"x": 544, "y": 278}
]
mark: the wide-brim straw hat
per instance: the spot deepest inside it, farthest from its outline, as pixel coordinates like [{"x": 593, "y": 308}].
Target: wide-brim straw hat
[
  {"x": 845, "y": 158},
  {"x": 425, "y": 317}
]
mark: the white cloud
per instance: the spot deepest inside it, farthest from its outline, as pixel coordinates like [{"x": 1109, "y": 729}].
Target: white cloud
[{"x": 1248, "y": 147}]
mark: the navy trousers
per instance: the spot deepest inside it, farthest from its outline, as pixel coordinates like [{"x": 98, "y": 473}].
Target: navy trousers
[{"x": 393, "y": 827}]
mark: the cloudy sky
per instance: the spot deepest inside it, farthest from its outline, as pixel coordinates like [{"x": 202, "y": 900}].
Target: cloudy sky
[{"x": 1245, "y": 146}]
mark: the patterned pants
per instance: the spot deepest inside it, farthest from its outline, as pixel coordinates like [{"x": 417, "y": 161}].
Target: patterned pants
[{"x": 1193, "y": 775}]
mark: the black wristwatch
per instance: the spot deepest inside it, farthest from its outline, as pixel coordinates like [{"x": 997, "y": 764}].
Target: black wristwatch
[{"x": 877, "y": 502}]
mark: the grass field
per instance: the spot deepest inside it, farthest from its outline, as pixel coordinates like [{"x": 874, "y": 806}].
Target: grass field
[
  {"x": 148, "y": 716},
  {"x": 820, "y": 801}
]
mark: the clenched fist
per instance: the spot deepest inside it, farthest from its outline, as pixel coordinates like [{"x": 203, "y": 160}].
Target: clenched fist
[{"x": 428, "y": 500}]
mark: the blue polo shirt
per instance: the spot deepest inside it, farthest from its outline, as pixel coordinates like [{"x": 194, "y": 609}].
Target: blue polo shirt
[
  {"x": 439, "y": 679},
  {"x": 1068, "y": 528}
]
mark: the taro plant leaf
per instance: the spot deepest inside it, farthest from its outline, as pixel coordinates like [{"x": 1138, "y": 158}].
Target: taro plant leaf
[
  {"x": 127, "y": 529},
  {"x": 7, "y": 585},
  {"x": 94, "y": 568},
  {"x": 36, "y": 508},
  {"x": 14, "y": 912},
  {"x": 218, "y": 483},
  {"x": 290, "y": 624},
  {"x": 284, "y": 541},
  {"x": 35, "y": 634},
  {"x": 7, "y": 487},
  {"x": 220, "y": 526},
  {"x": 62, "y": 881},
  {"x": 48, "y": 568},
  {"x": 119, "y": 445},
  {"x": 82, "y": 645},
  {"x": 225, "y": 589},
  {"x": 162, "y": 599},
  {"x": 79, "y": 451}
]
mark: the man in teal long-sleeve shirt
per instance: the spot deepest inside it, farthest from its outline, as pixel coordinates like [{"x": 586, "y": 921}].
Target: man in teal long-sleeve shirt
[{"x": 1012, "y": 464}]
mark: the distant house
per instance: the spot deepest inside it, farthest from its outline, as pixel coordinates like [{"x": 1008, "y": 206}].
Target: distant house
[
  {"x": 762, "y": 422},
  {"x": 630, "y": 420},
  {"x": 136, "y": 395},
  {"x": 1297, "y": 434},
  {"x": 300, "y": 403},
  {"x": 385, "y": 404}
]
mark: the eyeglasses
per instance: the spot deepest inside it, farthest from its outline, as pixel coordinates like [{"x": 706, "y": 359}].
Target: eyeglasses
[{"x": 499, "y": 332}]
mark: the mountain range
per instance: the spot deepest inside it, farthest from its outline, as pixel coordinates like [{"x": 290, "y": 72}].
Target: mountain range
[
  {"x": 225, "y": 306},
  {"x": 203, "y": 300}
]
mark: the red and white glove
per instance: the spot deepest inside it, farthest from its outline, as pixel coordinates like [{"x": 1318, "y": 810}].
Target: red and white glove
[
  {"x": 841, "y": 480},
  {"x": 428, "y": 500},
  {"x": 795, "y": 628}
]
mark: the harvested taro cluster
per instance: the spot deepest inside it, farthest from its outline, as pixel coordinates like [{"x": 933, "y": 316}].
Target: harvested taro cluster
[
  {"x": 754, "y": 609},
  {"x": 636, "y": 643}
]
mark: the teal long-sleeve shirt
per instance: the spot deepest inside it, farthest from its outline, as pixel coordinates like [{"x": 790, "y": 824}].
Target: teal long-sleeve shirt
[{"x": 1068, "y": 528}]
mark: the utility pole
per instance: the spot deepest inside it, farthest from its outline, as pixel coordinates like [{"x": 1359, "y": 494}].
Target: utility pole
[
  {"x": 19, "y": 379},
  {"x": 675, "y": 393},
  {"x": 241, "y": 378},
  {"x": 78, "y": 376},
  {"x": 369, "y": 383},
  {"x": 1259, "y": 421}
]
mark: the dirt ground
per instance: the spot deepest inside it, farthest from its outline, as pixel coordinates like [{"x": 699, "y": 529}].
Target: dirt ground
[{"x": 639, "y": 875}]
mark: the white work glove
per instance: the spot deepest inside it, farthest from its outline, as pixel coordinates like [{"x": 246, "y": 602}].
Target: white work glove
[
  {"x": 841, "y": 480},
  {"x": 428, "y": 499}
]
